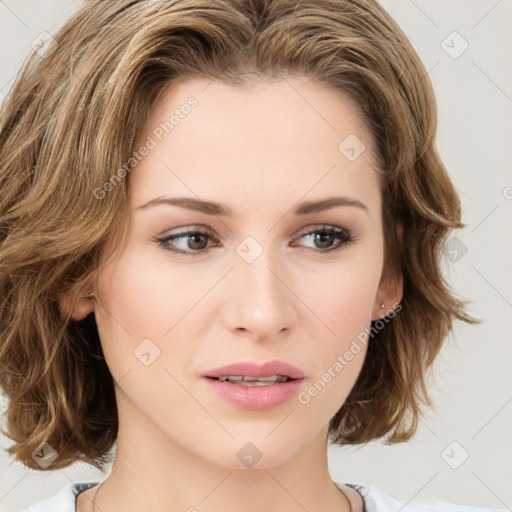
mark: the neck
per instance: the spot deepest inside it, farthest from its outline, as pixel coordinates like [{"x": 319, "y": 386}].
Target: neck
[{"x": 152, "y": 471}]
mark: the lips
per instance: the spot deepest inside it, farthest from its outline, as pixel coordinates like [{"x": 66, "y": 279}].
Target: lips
[
  {"x": 253, "y": 369},
  {"x": 254, "y": 386}
]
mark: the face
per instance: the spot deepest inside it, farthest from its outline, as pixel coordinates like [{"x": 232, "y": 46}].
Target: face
[{"x": 198, "y": 289}]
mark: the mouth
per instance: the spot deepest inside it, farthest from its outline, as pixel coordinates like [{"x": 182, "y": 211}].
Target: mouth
[
  {"x": 255, "y": 386},
  {"x": 250, "y": 371},
  {"x": 243, "y": 380},
  {"x": 254, "y": 393}
]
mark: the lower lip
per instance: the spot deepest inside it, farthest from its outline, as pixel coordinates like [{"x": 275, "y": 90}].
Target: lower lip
[{"x": 256, "y": 398}]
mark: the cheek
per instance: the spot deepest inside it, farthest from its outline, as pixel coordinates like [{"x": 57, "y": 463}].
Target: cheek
[
  {"x": 341, "y": 350},
  {"x": 344, "y": 306},
  {"x": 136, "y": 294},
  {"x": 346, "y": 310},
  {"x": 343, "y": 296},
  {"x": 142, "y": 307},
  {"x": 139, "y": 309},
  {"x": 125, "y": 314}
]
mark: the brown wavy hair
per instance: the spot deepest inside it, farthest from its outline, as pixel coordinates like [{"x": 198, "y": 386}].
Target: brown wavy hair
[{"x": 74, "y": 115}]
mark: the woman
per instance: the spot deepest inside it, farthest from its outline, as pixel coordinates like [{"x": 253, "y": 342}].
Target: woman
[{"x": 221, "y": 235}]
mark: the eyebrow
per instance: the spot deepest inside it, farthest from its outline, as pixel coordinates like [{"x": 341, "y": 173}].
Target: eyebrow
[{"x": 214, "y": 208}]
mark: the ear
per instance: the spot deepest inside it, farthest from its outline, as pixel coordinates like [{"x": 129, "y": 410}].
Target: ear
[
  {"x": 390, "y": 290},
  {"x": 84, "y": 305}
]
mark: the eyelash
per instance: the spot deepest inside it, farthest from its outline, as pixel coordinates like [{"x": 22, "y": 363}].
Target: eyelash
[{"x": 343, "y": 235}]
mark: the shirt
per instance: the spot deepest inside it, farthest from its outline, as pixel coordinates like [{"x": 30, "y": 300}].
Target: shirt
[{"x": 374, "y": 501}]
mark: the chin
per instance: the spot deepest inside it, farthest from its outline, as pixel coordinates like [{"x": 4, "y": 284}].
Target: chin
[{"x": 253, "y": 452}]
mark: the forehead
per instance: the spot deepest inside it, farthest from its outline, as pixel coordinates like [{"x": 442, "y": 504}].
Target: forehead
[{"x": 209, "y": 138}]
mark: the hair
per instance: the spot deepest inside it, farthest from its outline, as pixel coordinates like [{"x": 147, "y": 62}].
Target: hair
[{"x": 75, "y": 113}]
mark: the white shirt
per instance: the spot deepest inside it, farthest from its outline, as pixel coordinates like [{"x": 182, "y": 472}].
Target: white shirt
[{"x": 374, "y": 500}]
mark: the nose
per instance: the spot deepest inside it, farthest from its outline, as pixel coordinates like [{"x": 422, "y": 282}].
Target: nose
[{"x": 259, "y": 298}]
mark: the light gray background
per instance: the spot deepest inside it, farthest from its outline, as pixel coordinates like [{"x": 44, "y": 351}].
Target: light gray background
[{"x": 473, "y": 391}]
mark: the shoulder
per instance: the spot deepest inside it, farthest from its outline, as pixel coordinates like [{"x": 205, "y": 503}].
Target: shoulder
[
  {"x": 374, "y": 500},
  {"x": 63, "y": 501},
  {"x": 377, "y": 501}
]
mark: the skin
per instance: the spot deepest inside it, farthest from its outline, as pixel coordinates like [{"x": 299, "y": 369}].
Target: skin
[{"x": 259, "y": 150}]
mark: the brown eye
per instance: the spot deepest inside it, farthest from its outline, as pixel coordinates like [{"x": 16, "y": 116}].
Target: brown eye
[
  {"x": 195, "y": 242},
  {"x": 325, "y": 237}
]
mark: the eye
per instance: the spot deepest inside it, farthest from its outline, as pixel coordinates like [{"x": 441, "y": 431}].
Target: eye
[
  {"x": 326, "y": 236},
  {"x": 196, "y": 241}
]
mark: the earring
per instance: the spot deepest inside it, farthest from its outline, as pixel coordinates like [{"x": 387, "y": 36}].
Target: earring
[
  {"x": 90, "y": 296},
  {"x": 382, "y": 306}
]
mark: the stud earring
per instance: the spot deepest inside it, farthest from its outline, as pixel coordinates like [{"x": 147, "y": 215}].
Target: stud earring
[
  {"x": 382, "y": 306},
  {"x": 90, "y": 296}
]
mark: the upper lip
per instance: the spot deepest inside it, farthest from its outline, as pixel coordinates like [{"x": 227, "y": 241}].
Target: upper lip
[{"x": 253, "y": 369}]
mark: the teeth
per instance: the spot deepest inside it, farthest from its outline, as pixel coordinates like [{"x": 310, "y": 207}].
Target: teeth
[{"x": 253, "y": 381}]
